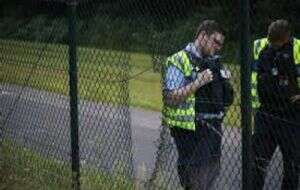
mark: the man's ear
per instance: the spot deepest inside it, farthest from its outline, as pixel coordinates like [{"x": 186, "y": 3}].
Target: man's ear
[{"x": 201, "y": 35}]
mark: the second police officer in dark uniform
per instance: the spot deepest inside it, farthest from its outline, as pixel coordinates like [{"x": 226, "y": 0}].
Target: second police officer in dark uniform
[{"x": 275, "y": 90}]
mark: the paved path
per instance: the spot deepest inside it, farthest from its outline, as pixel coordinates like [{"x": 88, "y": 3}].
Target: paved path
[{"x": 40, "y": 121}]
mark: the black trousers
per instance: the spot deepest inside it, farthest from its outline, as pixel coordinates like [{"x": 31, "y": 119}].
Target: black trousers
[
  {"x": 199, "y": 155},
  {"x": 270, "y": 131}
]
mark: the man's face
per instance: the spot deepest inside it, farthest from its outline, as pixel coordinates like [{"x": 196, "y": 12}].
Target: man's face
[{"x": 211, "y": 44}]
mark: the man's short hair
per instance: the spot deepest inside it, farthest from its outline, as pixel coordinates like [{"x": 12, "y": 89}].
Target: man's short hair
[
  {"x": 209, "y": 27},
  {"x": 278, "y": 30}
]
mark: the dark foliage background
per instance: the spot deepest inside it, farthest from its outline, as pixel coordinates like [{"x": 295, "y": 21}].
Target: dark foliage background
[{"x": 146, "y": 20}]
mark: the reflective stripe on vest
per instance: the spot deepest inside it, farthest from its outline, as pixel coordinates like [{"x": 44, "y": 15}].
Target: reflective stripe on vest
[
  {"x": 259, "y": 45},
  {"x": 297, "y": 58},
  {"x": 181, "y": 61},
  {"x": 254, "y": 101},
  {"x": 182, "y": 115}
]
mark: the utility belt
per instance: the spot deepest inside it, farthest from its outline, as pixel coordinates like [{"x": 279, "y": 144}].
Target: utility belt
[
  {"x": 212, "y": 121},
  {"x": 209, "y": 116}
]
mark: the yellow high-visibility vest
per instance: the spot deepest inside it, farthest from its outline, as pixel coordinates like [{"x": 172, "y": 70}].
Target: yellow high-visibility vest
[{"x": 182, "y": 115}]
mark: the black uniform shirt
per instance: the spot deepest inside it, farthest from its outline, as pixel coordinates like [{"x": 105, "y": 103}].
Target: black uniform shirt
[
  {"x": 277, "y": 78},
  {"x": 216, "y": 95}
]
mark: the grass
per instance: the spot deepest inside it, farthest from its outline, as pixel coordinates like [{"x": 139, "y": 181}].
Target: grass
[
  {"x": 32, "y": 171},
  {"x": 101, "y": 73},
  {"x": 145, "y": 89}
]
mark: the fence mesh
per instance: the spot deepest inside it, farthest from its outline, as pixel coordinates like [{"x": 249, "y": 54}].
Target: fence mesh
[
  {"x": 34, "y": 117},
  {"x": 131, "y": 132}
]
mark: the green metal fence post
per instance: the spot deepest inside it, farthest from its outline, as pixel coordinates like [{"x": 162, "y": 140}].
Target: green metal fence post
[
  {"x": 245, "y": 94},
  {"x": 73, "y": 95}
]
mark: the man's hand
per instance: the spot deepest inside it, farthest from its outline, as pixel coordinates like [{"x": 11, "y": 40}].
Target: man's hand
[
  {"x": 295, "y": 98},
  {"x": 204, "y": 77}
]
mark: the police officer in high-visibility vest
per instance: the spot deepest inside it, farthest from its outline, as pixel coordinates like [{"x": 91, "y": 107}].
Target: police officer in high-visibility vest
[
  {"x": 276, "y": 98},
  {"x": 196, "y": 91}
]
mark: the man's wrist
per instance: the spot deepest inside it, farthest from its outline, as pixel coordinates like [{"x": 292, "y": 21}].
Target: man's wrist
[{"x": 197, "y": 83}]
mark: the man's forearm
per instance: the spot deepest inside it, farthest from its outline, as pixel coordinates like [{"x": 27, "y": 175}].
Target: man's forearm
[
  {"x": 179, "y": 95},
  {"x": 176, "y": 96}
]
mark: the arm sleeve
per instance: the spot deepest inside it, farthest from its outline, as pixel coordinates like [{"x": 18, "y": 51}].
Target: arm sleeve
[{"x": 174, "y": 78}]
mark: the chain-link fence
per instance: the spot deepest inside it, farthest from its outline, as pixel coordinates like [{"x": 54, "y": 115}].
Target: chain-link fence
[
  {"x": 41, "y": 99},
  {"x": 73, "y": 72}
]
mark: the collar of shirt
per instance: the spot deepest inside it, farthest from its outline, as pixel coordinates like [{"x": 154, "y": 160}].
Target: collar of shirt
[{"x": 193, "y": 49}]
